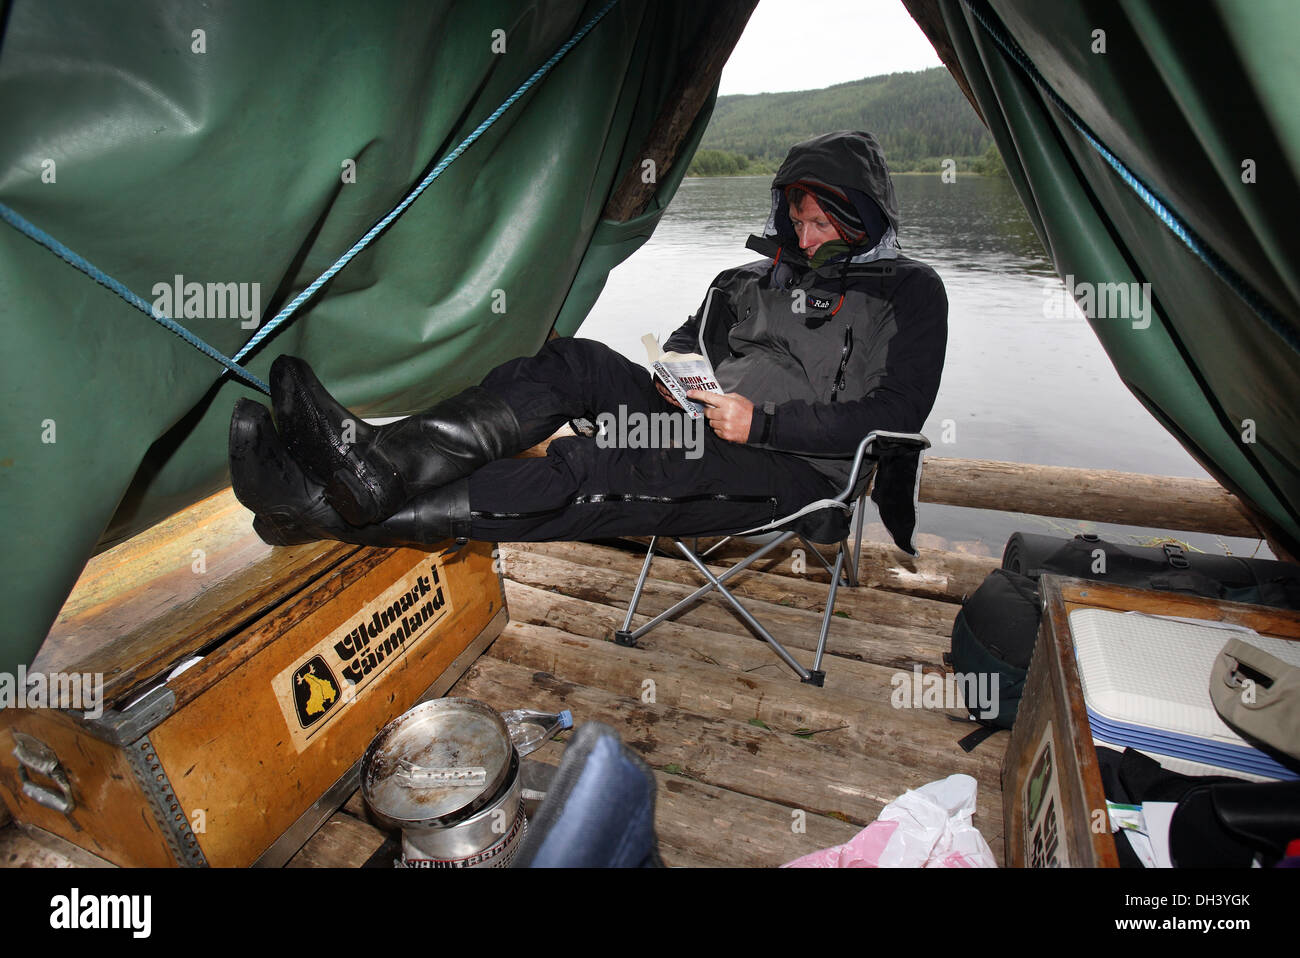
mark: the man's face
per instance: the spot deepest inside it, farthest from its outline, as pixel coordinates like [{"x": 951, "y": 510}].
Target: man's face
[{"x": 811, "y": 225}]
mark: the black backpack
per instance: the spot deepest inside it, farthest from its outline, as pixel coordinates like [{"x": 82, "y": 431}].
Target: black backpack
[
  {"x": 994, "y": 635},
  {"x": 995, "y": 631}
]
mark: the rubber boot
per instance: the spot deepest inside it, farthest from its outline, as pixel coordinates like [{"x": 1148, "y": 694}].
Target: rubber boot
[
  {"x": 291, "y": 508},
  {"x": 368, "y": 472}
]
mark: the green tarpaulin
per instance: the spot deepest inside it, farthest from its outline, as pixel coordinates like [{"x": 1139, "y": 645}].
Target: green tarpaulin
[
  {"x": 1197, "y": 99},
  {"x": 252, "y": 143},
  {"x": 155, "y": 159}
]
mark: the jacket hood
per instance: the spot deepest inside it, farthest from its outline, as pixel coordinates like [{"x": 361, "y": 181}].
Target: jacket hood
[{"x": 852, "y": 163}]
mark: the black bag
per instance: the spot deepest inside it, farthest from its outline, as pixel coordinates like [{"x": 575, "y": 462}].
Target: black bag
[
  {"x": 994, "y": 635},
  {"x": 1169, "y": 568},
  {"x": 995, "y": 631}
]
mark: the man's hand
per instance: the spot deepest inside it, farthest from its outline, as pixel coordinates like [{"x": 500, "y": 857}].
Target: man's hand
[
  {"x": 730, "y": 414},
  {"x": 663, "y": 391}
]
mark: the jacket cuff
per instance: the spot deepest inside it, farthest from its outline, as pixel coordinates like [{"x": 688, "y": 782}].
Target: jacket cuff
[{"x": 760, "y": 423}]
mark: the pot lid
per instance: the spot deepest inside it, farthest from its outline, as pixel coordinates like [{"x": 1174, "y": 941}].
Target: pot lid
[{"x": 437, "y": 763}]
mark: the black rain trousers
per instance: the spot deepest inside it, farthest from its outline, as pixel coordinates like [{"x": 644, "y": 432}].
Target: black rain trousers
[{"x": 589, "y": 488}]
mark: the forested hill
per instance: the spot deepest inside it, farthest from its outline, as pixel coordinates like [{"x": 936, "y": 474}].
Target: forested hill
[{"x": 919, "y": 118}]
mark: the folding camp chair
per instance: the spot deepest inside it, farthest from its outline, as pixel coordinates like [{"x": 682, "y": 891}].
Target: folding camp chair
[{"x": 896, "y": 458}]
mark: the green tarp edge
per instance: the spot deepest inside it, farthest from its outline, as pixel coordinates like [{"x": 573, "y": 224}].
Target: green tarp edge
[
  {"x": 1206, "y": 366},
  {"x": 227, "y": 165},
  {"x": 613, "y": 242}
]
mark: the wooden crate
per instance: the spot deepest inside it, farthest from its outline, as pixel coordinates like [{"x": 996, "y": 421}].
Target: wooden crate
[
  {"x": 1053, "y": 804},
  {"x": 305, "y": 654}
]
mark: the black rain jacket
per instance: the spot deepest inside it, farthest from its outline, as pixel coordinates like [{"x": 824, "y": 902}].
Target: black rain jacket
[{"x": 829, "y": 354}]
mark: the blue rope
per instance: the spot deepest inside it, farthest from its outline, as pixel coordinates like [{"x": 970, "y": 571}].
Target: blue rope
[
  {"x": 40, "y": 236},
  {"x": 1234, "y": 280},
  {"x": 362, "y": 243},
  {"x": 99, "y": 276}
]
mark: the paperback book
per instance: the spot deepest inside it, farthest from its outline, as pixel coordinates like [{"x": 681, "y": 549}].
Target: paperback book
[{"x": 682, "y": 372}]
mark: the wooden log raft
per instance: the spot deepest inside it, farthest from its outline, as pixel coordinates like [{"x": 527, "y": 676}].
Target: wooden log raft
[
  {"x": 725, "y": 753},
  {"x": 859, "y": 605},
  {"x": 860, "y": 636},
  {"x": 698, "y": 825},
  {"x": 723, "y": 642},
  {"x": 703, "y": 826},
  {"x": 862, "y": 720},
  {"x": 932, "y": 574},
  {"x": 1099, "y": 495}
]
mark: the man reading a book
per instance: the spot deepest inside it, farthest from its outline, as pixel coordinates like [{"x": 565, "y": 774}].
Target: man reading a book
[{"x": 831, "y": 334}]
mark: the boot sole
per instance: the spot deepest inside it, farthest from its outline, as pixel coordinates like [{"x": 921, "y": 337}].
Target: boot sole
[
  {"x": 308, "y": 437},
  {"x": 246, "y": 424},
  {"x": 254, "y": 452}
]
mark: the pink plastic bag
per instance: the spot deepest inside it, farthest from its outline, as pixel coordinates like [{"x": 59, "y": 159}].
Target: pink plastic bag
[{"x": 928, "y": 827}]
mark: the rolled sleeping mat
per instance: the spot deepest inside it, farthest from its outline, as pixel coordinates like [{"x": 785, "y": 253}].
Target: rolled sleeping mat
[{"x": 1168, "y": 567}]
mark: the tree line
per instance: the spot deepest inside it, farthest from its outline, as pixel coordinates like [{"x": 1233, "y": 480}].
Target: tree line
[{"x": 920, "y": 119}]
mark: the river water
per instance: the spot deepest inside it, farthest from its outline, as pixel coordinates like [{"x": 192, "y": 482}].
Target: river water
[{"x": 1025, "y": 378}]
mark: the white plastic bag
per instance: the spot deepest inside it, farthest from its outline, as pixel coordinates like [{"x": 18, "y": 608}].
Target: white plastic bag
[{"x": 928, "y": 827}]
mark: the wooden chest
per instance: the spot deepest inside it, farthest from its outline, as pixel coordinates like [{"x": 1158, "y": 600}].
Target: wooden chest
[
  {"x": 1053, "y": 804},
  {"x": 299, "y": 656}
]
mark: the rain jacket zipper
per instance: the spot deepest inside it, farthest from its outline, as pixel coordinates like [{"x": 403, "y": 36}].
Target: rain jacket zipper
[{"x": 844, "y": 361}]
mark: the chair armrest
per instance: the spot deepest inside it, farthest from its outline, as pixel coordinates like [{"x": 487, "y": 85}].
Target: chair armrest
[
  {"x": 867, "y": 448},
  {"x": 877, "y": 438}
]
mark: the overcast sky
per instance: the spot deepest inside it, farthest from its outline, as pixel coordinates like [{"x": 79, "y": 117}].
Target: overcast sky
[{"x": 809, "y": 44}]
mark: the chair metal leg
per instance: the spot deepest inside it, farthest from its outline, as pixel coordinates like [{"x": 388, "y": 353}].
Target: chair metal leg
[
  {"x": 623, "y": 636},
  {"x": 811, "y": 547},
  {"x": 855, "y": 563},
  {"x": 848, "y": 561},
  {"x": 849, "y": 573},
  {"x": 717, "y": 545},
  {"x": 753, "y": 623},
  {"x": 830, "y": 610},
  {"x": 702, "y": 591},
  {"x": 815, "y": 676}
]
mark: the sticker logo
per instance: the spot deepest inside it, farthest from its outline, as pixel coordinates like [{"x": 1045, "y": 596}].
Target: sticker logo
[
  {"x": 1044, "y": 821},
  {"x": 817, "y": 302},
  {"x": 315, "y": 691},
  {"x": 327, "y": 679}
]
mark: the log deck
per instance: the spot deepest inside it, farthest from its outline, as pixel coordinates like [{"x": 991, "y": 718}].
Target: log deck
[{"x": 753, "y": 768}]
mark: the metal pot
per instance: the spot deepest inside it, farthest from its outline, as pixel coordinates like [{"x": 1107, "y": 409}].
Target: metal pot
[
  {"x": 447, "y": 773},
  {"x": 487, "y": 838}
]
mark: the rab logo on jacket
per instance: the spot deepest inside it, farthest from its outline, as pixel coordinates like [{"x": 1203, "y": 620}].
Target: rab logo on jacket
[{"x": 315, "y": 691}]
